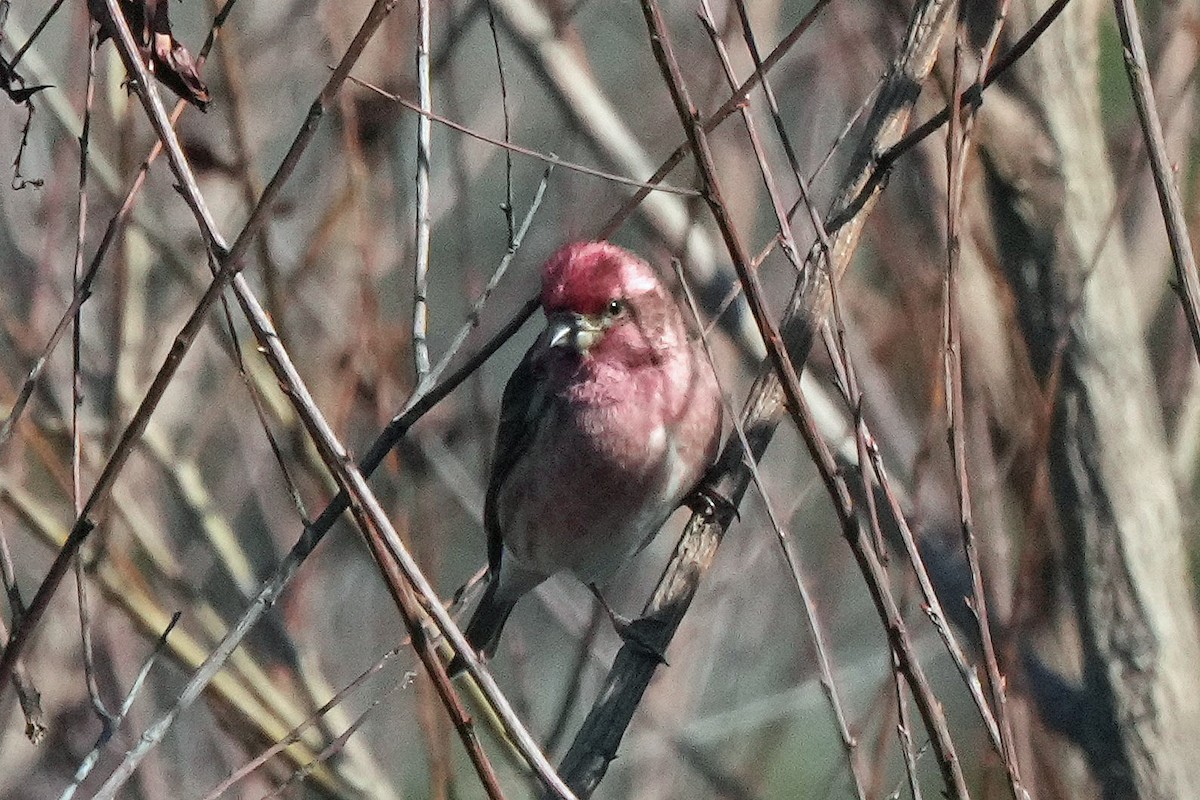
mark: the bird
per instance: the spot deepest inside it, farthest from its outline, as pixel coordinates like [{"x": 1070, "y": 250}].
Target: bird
[{"x": 607, "y": 425}]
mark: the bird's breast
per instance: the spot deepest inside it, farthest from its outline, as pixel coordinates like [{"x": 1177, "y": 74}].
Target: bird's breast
[{"x": 597, "y": 480}]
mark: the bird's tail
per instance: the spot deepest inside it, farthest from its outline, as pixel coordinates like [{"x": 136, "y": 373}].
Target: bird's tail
[{"x": 483, "y": 631}]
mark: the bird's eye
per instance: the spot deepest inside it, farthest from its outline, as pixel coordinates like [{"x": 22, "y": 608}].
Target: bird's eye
[{"x": 616, "y": 307}]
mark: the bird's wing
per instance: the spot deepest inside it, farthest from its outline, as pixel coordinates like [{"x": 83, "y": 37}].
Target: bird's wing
[{"x": 524, "y": 403}]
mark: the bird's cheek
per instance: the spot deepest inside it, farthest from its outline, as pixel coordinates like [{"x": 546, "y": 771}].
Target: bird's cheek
[{"x": 619, "y": 337}]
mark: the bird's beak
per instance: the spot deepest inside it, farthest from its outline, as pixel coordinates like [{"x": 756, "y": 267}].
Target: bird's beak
[{"x": 576, "y": 331}]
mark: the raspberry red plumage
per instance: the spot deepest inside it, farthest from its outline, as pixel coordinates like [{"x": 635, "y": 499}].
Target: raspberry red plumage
[
  {"x": 606, "y": 425},
  {"x": 580, "y": 277}
]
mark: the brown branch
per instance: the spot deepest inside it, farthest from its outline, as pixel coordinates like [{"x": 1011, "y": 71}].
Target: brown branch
[
  {"x": 597, "y": 741},
  {"x": 1128, "y": 695},
  {"x": 957, "y": 149},
  {"x": 76, "y": 446},
  {"x": 972, "y": 96},
  {"x": 230, "y": 262},
  {"x": 413, "y": 616},
  {"x": 788, "y": 241},
  {"x": 716, "y": 118},
  {"x": 333, "y": 453},
  {"x": 296, "y": 733},
  {"x": 1188, "y": 287},
  {"x": 511, "y": 147}
]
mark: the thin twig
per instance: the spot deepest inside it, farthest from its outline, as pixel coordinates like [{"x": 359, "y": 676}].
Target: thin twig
[
  {"x": 597, "y": 741},
  {"x": 339, "y": 744},
  {"x": 337, "y": 460},
  {"x": 83, "y": 289},
  {"x": 85, "y": 621},
  {"x": 583, "y": 655},
  {"x": 785, "y": 236},
  {"x": 548, "y": 158},
  {"x": 251, "y": 186},
  {"x": 957, "y": 149},
  {"x": 507, "y": 208},
  {"x": 1188, "y": 287},
  {"x": 84, "y": 286},
  {"x": 294, "y": 735},
  {"x": 28, "y": 697},
  {"x": 37, "y": 30},
  {"x": 421, "y": 270},
  {"x": 230, "y": 263},
  {"x": 93, "y": 757},
  {"x": 251, "y": 183},
  {"x": 711, "y": 122},
  {"x": 786, "y": 141},
  {"x": 904, "y": 731}
]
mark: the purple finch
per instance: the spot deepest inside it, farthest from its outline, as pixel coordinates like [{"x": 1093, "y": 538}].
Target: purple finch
[{"x": 606, "y": 426}]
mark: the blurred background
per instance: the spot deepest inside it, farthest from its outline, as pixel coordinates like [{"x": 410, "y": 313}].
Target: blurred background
[{"x": 1080, "y": 417}]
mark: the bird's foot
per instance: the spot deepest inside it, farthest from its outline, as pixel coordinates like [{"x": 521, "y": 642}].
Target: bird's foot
[
  {"x": 712, "y": 504},
  {"x": 643, "y": 633}
]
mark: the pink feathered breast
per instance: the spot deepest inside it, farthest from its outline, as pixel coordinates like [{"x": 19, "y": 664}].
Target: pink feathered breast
[{"x": 621, "y": 449}]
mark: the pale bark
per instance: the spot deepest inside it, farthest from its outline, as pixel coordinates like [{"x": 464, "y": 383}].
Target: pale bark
[{"x": 1123, "y": 553}]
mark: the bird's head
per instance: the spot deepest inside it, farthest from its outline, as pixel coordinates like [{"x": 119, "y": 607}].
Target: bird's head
[{"x": 604, "y": 303}]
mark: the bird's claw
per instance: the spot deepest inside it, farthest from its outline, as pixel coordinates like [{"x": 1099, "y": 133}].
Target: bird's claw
[{"x": 712, "y": 504}]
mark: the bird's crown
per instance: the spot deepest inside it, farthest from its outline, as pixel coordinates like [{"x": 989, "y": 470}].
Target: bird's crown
[{"x": 584, "y": 277}]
